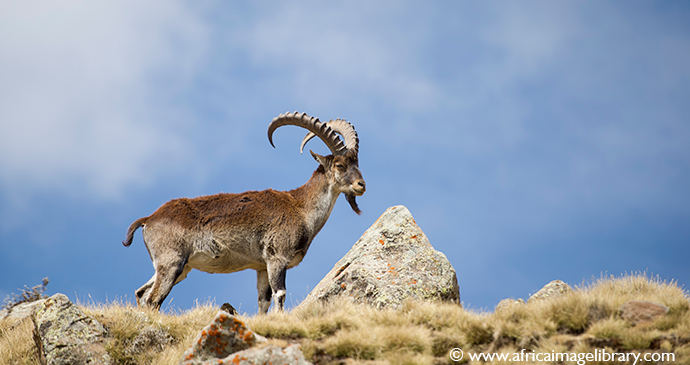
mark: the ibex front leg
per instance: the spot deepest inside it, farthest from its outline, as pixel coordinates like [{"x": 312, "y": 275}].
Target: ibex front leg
[
  {"x": 276, "y": 278},
  {"x": 264, "y": 289}
]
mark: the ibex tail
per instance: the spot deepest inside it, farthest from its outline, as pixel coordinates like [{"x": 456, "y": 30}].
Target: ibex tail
[{"x": 130, "y": 232}]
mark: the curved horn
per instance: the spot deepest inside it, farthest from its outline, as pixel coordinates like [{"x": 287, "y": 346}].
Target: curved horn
[
  {"x": 314, "y": 125},
  {"x": 345, "y": 129}
]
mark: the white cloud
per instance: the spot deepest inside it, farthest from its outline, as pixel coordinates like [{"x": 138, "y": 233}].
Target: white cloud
[
  {"x": 333, "y": 55},
  {"x": 80, "y": 103},
  {"x": 413, "y": 64}
]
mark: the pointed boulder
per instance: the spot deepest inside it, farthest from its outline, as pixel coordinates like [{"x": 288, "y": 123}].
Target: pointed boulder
[{"x": 391, "y": 262}]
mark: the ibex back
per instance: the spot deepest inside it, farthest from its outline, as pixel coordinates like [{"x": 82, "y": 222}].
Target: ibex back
[{"x": 268, "y": 231}]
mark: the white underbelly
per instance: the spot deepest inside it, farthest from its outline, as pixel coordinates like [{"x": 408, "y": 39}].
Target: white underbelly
[{"x": 226, "y": 263}]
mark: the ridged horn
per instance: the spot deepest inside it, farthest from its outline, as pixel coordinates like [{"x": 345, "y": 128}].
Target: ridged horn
[
  {"x": 342, "y": 127},
  {"x": 313, "y": 125}
]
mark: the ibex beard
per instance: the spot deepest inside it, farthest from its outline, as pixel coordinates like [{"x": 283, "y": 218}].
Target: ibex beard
[{"x": 268, "y": 231}]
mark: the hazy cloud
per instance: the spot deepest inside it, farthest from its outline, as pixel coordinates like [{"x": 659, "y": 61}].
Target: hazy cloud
[
  {"x": 330, "y": 55},
  {"x": 84, "y": 101}
]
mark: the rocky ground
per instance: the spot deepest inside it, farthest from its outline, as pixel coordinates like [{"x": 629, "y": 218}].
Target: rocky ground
[{"x": 391, "y": 299}]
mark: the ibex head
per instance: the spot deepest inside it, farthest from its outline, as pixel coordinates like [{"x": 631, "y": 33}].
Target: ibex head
[{"x": 342, "y": 167}]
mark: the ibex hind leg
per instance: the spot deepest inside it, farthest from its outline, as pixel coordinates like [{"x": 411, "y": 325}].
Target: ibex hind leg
[
  {"x": 165, "y": 278},
  {"x": 264, "y": 289}
]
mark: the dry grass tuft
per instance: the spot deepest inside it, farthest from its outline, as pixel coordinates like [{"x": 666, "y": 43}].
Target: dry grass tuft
[
  {"x": 16, "y": 342},
  {"x": 312, "y": 322},
  {"x": 614, "y": 291},
  {"x": 609, "y": 328},
  {"x": 143, "y": 336}
]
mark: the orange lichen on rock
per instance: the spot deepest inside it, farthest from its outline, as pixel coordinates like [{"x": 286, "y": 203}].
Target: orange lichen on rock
[
  {"x": 222, "y": 337},
  {"x": 248, "y": 337},
  {"x": 238, "y": 326}
]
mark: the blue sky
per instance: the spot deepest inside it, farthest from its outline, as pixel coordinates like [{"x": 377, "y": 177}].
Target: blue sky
[{"x": 531, "y": 141}]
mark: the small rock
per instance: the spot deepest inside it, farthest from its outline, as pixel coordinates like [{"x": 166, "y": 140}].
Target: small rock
[
  {"x": 228, "y": 308},
  {"x": 67, "y": 335},
  {"x": 227, "y": 341},
  {"x": 641, "y": 311},
  {"x": 271, "y": 354},
  {"x": 225, "y": 335},
  {"x": 392, "y": 261},
  {"x": 551, "y": 290},
  {"x": 597, "y": 312},
  {"x": 151, "y": 337},
  {"x": 508, "y": 303}
]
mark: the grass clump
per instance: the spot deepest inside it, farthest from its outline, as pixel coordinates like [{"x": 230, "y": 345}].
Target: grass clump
[
  {"x": 144, "y": 336},
  {"x": 17, "y": 346},
  {"x": 313, "y": 322},
  {"x": 609, "y": 328}
]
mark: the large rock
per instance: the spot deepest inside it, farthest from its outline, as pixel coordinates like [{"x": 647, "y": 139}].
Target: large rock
[
  {"x": 391, "y": 262},
  {"x": 67, "y": 335}
]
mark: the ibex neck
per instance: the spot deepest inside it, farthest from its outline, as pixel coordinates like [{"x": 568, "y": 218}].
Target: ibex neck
[{"x": 317, "y": 199}]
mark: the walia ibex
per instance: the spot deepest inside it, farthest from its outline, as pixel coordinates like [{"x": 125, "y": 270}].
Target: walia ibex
[{"x": 268, "y": 231}]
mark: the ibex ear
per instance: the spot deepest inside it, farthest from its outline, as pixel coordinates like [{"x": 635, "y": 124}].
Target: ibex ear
[{"x": 320, "y": 159}]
